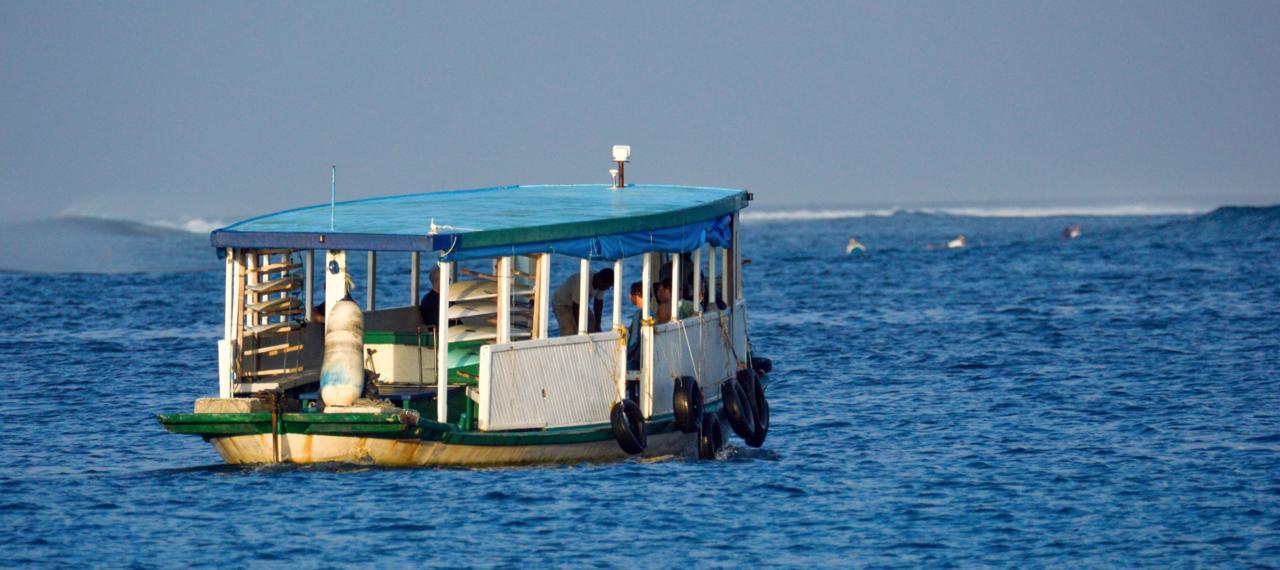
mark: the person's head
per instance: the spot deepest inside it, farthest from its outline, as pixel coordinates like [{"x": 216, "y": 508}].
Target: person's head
[
  {"x": 662, "y": 290},
  {"x": 637, "y": 293},
  {"x": 602, "y": 280},
  {"x": 434, "y": 276}
]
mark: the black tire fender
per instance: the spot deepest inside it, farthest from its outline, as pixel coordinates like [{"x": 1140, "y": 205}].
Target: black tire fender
[
  {"x": 761, "y": 364},
  {"x": 628, "y": 426},
  {"x": 737, "y": 406},
  {"x": 762, "y": 423},
  {"x": 687, "y": 404},
  {"x": 710, "y": 437},
  {"x": 750, "y": 382}
]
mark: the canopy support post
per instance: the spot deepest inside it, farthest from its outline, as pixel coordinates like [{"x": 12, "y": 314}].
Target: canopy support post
[
  {"x": 228, "y": 328},
  {"x": 711, "y": 278},
  {"x": 724, "y": 279},
  {"x": 737, "y": 260},
  {"x": 371, "y": 296},
  {"x": 415, "y": 278},
  {"x": 697, "y": 279},
  {"x": 442, "y": 345},
  {"x": 646, "y": 341},
  {"x": 675, "y": 287},
  {"x": 544, "y": 295},
  {"x": 504, "y": 300},
  {"x": 308, "y": 283},
  {"x": 617, "y": 326},
  {"x": 584, "y": 281}
]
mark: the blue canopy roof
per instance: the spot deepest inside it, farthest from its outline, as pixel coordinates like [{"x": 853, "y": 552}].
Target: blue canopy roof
[{"x": 584, "y": 220}]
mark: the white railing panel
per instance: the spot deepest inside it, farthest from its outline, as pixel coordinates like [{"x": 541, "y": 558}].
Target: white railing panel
[
  {"x": 548, "y": 383},
  {"x": 700, "y": 347}
]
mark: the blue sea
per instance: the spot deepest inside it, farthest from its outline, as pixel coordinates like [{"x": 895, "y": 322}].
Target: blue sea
[{"x": 1028, "y": 401}]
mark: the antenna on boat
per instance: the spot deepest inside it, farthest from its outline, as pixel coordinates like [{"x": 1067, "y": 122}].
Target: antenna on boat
[
  {"x": 333, "y": 195},
  {"x": 621, "y": 155}
]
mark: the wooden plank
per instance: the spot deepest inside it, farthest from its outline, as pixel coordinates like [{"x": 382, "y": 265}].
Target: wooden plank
[
  {"x": 272, "y": 372},
  {"x": 477, "y": 274},
  {"x": 278, "y": 267},
  {"x": 273, "y": 350},
  {"x": 286, "y": 283},
  {"x": 278, "y": 305},
  {"x": 273, "y": 328}
]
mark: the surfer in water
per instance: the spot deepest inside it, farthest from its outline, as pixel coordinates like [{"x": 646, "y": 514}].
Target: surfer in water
[
  {"x": 854, "y": 246},
  {"x": 1071, "y": 232},
  {"x": 957, "y": 243}
]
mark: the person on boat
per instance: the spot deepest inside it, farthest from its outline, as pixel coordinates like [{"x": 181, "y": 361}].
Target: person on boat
[
  {"x": 429, "y": 306},
  {"x": 854, "y": 246},
  {"x": 662, "y": 293},
  {"x": 633, "y": 331},
  {"x": 564, "y": 302},
  {"x": 957, "y": 243},
  {"x": 686, "y": 275}
]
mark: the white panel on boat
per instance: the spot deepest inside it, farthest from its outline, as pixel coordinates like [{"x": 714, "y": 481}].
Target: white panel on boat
[
  {"x": 480, "y": 289},
  {"x": 697, "y": 346},
  {"x": 548, "y": 383}
]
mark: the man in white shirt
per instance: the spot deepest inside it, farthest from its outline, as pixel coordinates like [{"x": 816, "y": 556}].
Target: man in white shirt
[{"x": 564, "y": 302}]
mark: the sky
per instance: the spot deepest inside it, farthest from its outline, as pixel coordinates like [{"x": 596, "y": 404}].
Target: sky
[{"x": 219, "y": 110}]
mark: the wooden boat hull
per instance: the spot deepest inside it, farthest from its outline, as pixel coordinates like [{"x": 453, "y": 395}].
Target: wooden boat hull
[
  {"x": 306, "y": 449},
  {"x": 400, "y": 439}
]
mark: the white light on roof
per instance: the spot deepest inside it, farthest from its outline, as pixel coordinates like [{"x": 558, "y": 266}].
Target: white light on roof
[{"x": 621, "y": 153}]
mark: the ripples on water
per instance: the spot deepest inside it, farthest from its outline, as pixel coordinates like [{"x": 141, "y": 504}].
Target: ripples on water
[{"x": 1110, "y": 400}]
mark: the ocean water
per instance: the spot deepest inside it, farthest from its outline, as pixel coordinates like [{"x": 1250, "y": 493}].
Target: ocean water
[{"x": 1112, "y": 400}]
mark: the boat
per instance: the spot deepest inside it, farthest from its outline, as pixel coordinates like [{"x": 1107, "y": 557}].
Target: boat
[{"x": 499, "y": 386}]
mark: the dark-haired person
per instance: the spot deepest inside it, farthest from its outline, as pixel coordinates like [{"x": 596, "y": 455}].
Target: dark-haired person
[
  {"x": 662, "y": 293},
  {"x": 429, "y": 306},
  {"x": 564, "y": 302},
  {"x": 633, "y": 331}
]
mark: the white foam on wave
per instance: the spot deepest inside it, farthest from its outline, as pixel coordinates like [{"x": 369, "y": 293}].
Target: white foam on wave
[
  {"x": 777, "y": 215},
  {"x": 191, "y": 225},
  {"x": 976, "y": 212},
  {"x": 1061, "y": 211}
]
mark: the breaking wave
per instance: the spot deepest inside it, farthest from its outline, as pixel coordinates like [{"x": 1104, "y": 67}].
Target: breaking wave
[{"x": 87, "y": 244}]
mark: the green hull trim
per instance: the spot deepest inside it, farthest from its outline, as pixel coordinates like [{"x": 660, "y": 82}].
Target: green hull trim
[{"x": 391, "y": 426}]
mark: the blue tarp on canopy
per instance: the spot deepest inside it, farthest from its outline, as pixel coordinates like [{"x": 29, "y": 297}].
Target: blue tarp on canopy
[{"x": 717, "y": 232}]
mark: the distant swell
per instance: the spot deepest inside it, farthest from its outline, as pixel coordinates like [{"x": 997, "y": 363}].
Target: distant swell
[{"x": 974, "y": 212}]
